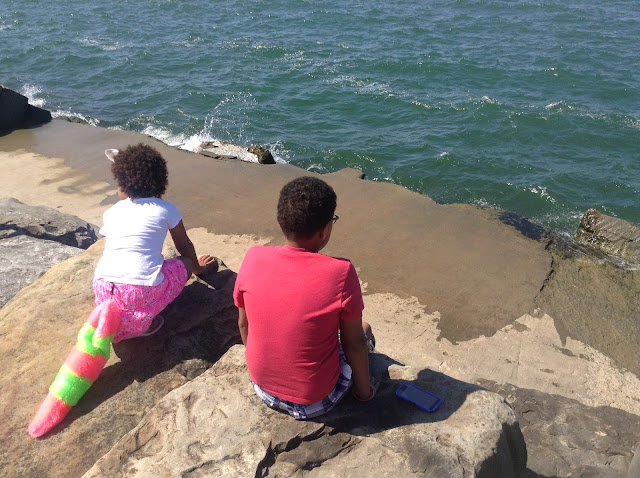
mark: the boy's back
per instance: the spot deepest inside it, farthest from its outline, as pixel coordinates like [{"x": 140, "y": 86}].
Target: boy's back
[{"x": 297, "y": 299}]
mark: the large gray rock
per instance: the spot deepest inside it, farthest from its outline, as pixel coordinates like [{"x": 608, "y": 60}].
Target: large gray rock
[
  {"x": 216, "y": 426},
  {"x": 17, "y": 218},
  {"x": 566, "y": 438},
  {"x": 610, "y": 234},
  {"x": 33, "y": 239},
  {"x": 23, "y": 259}
]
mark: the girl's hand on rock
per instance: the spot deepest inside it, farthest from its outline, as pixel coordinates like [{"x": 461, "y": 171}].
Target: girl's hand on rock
[{"x": 203, "y": 264}]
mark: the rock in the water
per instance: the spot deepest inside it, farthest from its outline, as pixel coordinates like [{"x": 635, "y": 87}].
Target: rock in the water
[
  {"x": 226, "y": 150},
  {"x": 264, "y": 155},
  {"x": 566, "y": 438},
  {"x": 16, "y": 112},
  {"x": 216, "y": 426},
  {"x": 17, "y": 218},
  {"x": 610, "y": 234}
]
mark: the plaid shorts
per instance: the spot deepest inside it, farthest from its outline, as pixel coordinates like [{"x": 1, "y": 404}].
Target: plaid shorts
[{"x": 302, "y": 412}]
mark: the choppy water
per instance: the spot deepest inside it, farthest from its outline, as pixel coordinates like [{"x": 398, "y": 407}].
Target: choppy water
[{"x": 528, "y": 106}]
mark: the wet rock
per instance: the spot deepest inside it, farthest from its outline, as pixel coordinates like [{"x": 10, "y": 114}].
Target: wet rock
[
  {"x": 610, "y": 234},
  {"x": 264, "y": 155}
]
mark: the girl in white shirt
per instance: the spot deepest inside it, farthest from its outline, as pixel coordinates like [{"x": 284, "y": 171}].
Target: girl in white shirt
[{"x": 132, "y": 271}]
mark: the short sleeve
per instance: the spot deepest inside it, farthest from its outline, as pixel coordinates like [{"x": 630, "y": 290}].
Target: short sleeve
[
  {"x": 352, "y": 303},
  {"x": 238, "y": 297},
  {"x": 173, "y": 215}
]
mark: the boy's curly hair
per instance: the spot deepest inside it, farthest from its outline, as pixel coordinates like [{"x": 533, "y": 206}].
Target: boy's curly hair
[
  {"x": 141, "y": 172},
  {"x": 306, "y": 205}
]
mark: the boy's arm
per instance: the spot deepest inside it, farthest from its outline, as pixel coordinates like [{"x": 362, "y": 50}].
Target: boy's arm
[
  {"x": 354, "y": 344},
  {"x": 243, "y": 324}
]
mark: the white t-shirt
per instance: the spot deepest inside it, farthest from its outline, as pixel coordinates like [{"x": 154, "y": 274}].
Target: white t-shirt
[{"x": 135, "y": 230}]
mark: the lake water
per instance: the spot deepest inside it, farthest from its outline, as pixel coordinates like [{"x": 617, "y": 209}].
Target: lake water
[{"x": 532, "y": 107}]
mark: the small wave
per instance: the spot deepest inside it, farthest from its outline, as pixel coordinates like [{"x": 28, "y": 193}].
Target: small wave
[
  {"x": 424, "y": 105},
  {"x": 74, "y": 117},
  {"x": 32, "y": 92},
  {"x": 104, "y": 46}
]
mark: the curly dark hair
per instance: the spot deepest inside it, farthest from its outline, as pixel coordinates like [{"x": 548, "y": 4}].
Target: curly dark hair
[
  {"x": 306, "y": 205},
  {"x": 141, "y": 172}
]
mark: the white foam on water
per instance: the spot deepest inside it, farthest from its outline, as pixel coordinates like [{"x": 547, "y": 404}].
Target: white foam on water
[
  {"x": 69, "y": 114},
  {"x": 164, "y": 135},
  {"x": 32, "y": 92},
  {"x": 102, "y": 44}
]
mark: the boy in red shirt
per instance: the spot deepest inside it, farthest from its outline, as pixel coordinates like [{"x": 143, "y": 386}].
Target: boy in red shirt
[{"x": 300, "y": 312}]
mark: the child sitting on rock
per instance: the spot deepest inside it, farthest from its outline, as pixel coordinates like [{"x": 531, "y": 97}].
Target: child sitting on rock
[
  {"x": 132, "y": 270},
  {"x": 300, "y": 312}
]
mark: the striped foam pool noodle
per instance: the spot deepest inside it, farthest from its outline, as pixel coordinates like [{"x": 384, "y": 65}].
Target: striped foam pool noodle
[{"x": 81, "y": 368}]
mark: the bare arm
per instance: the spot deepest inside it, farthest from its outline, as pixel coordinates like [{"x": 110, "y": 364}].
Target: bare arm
[
  {"x": 185, "y": 249},
  {"x": 243, "y": 324},
  {"x": 354, "y": 344}
]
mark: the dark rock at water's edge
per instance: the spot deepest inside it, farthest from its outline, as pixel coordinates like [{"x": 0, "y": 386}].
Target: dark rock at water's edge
[
  {"x": 567, "y": 438},
  {"x": 16, "y": 112},
  {"x": 33, "y": 239},
  {"x": 610, "y": 234},
  {"x": 264, "y": 155}
]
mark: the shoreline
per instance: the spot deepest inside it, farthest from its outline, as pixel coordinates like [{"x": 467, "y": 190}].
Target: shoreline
[{"x": 451, "y": 287}]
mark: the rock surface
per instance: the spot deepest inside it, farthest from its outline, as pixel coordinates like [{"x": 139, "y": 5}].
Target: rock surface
[
  {"x": 610, "y": 234},
  {"x": 23, "y": 259},
  {"x": 475, "y": 432},
  {"x": 34, "y": 238},
  {"x": 16, "y": 112},
  {"x": 216, "y": 426},
  {"x": 17, "y": 218},
  {"x": 38, "y": 328},
  {"x": 566, "y": 438}
]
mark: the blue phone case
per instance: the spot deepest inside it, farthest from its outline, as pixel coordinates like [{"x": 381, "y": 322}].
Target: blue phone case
[{"x": 423, "y": 399}]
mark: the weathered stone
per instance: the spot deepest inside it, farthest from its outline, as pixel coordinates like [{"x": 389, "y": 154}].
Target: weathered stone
[
  {"x": 23, "y": 259},
  {"x": 610, "y": 234},
  {"x": 216, "y": 426},
  {"x": 226, "y": 150},
  {"x": 566, "y": 438},
  {"x": 39, "y": 327},
  {"x": 17, "y": 218},
  {"x": 16, "y": 112},
  {"x": 264, "y": 155}
]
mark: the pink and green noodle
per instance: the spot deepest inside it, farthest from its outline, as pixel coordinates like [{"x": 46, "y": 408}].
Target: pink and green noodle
[{"x": 81, "y": 368}]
